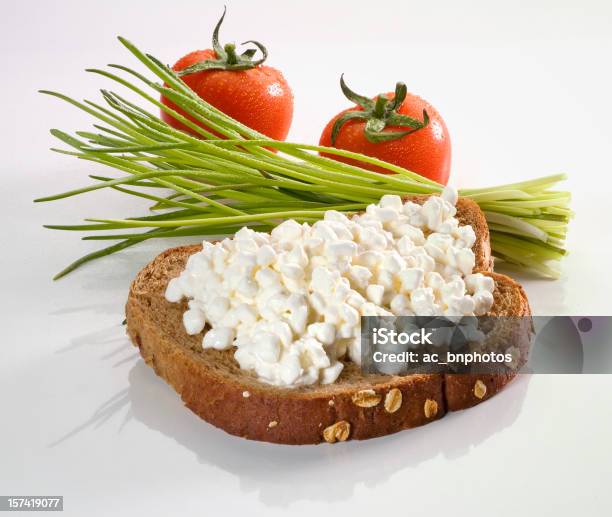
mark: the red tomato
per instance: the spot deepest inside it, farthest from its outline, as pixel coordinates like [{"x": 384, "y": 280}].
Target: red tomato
[
  {"x": 426, "y": 150},
  {"x": 243, "y": 88}
]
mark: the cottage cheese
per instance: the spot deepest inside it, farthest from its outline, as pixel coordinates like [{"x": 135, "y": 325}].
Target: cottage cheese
[{"x": 290, "y": 301}]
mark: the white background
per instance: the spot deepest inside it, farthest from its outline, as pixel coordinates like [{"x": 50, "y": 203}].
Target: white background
[{"x": 525, "y": 91}]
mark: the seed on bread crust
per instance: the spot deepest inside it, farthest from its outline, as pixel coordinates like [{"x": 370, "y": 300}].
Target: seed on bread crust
[
  {"x": 246, "y": 394},
  {"x": 331, "y": 402},
  {"x": 393, "y": 400},
  {"x": 366, "y": 398},
  {"x": 480, "y": 389},
  {"x": 338, "y": 432},
  {"x": 272, "y": 424},
  {"x": 430, "y": 408}
]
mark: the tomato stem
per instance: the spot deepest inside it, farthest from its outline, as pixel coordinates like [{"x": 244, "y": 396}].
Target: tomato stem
[
  {"x": 378, "y": 114},
  {"x": 380, "y": 106},
  {"x": 226, "y": 56},
  {"x": 230, "y": 50}
]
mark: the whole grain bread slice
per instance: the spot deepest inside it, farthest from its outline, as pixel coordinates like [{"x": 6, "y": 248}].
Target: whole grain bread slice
[{"x": 356, "y": 406}]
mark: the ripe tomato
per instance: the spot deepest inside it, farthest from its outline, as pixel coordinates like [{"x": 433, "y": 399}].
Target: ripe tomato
[
  {"x": 239, "y": 86},
  {"x": 383, "y": 129}
]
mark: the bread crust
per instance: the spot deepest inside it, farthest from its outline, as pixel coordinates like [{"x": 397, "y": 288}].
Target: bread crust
[{"x": 213, "y": 386}]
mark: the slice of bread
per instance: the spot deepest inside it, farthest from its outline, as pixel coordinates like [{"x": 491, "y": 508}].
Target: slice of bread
[{"x": 357, "y": 406}]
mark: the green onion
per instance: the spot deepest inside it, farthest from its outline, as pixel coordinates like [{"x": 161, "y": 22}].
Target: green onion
[{"x": 217, "y": 185}]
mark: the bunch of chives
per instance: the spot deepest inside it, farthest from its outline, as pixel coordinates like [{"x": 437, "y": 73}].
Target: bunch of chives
[{"x": 219, "y": 182}]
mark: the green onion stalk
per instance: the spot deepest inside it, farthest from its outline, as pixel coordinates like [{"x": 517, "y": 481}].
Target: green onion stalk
[{"x": 218, "y": 182}]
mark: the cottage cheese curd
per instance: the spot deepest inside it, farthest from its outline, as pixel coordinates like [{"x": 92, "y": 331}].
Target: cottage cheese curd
[{"x": 290, "y": 301}]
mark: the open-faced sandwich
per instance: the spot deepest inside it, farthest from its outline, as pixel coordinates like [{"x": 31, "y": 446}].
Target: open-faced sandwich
[{"x": 260, "y": 333}]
